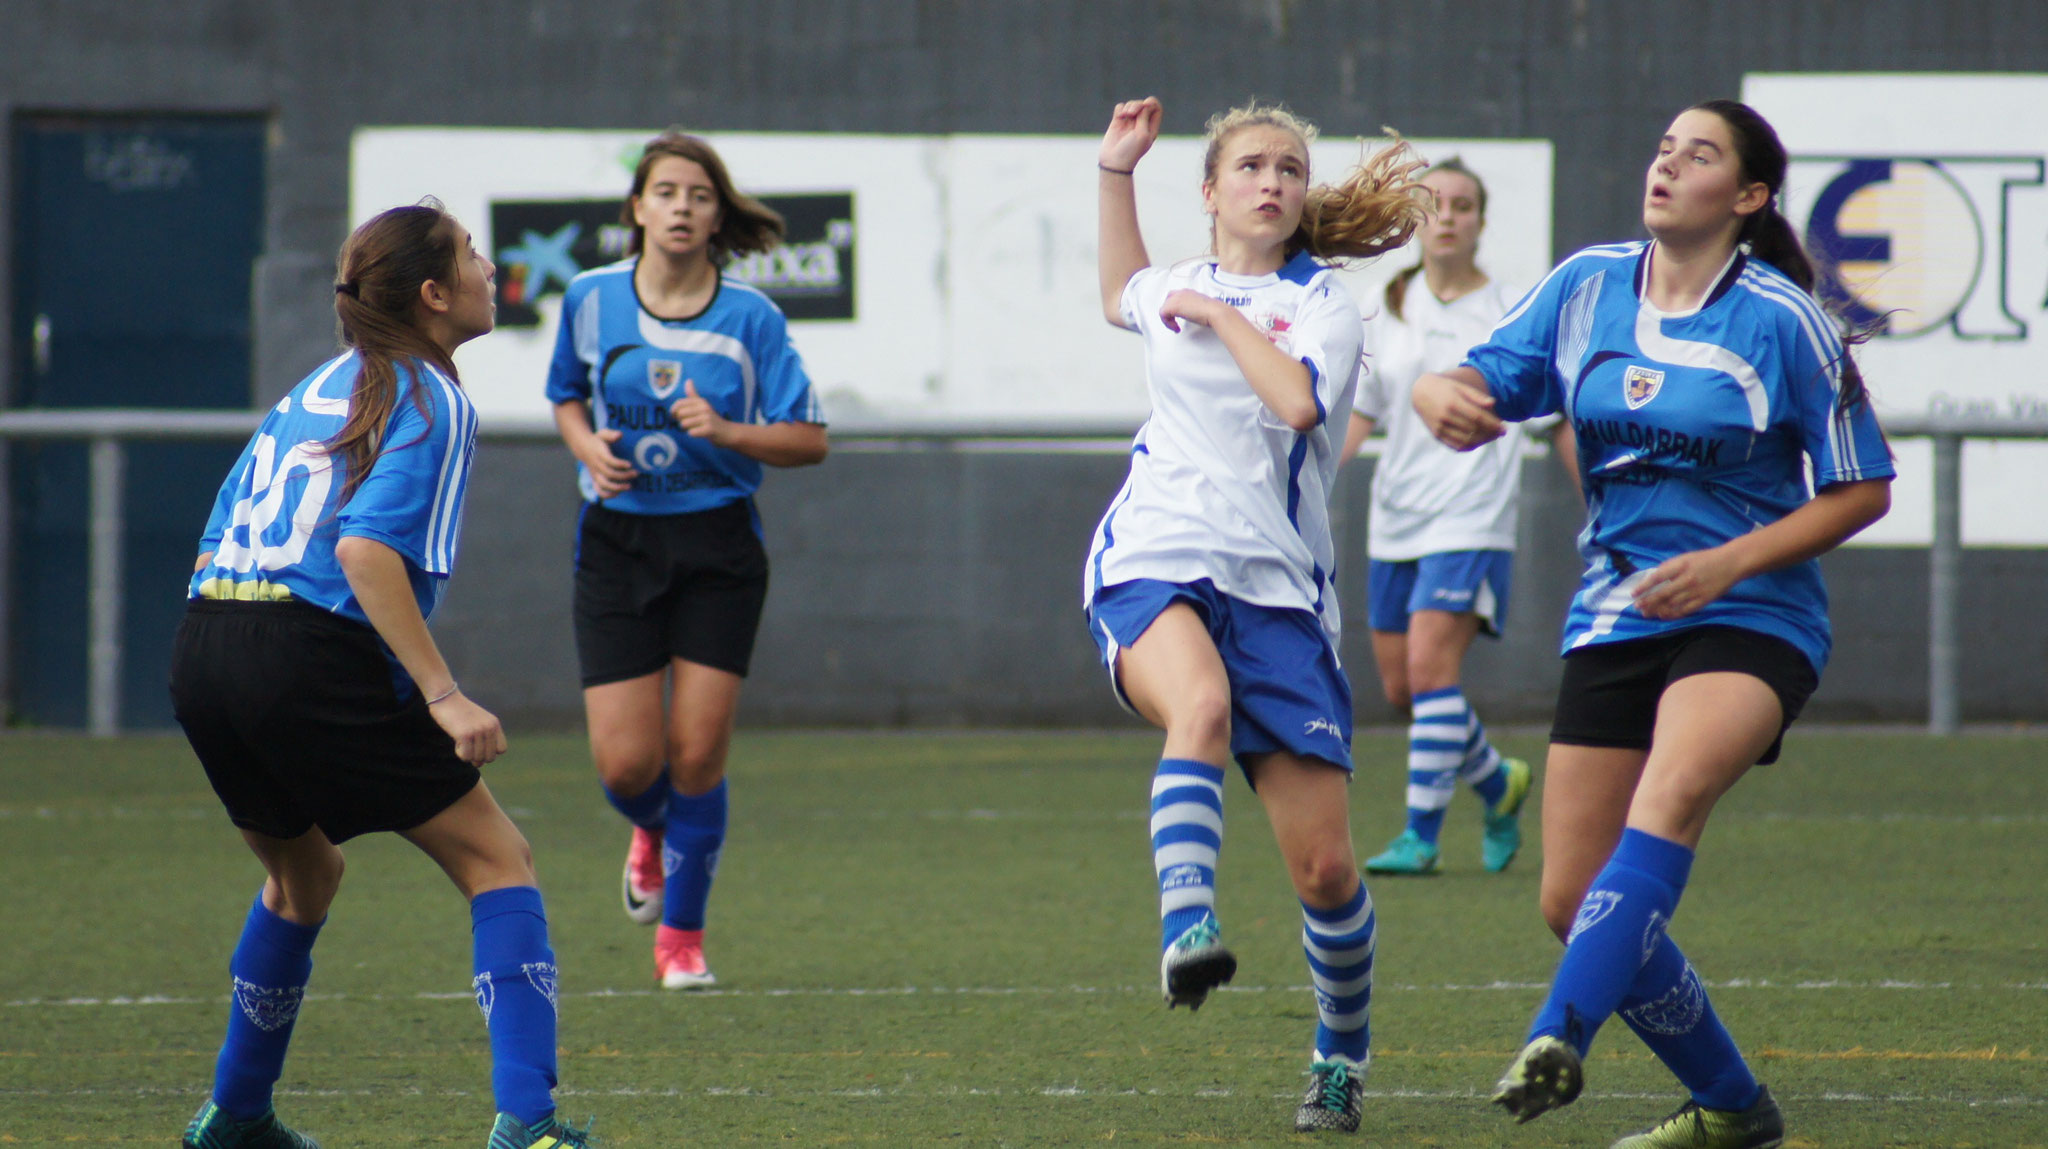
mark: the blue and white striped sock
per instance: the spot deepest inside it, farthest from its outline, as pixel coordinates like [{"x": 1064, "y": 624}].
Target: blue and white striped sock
[
  {"x": 1187, "y": 836},
  {"x": 1481, "y": 768},
  {"x": 1339, "y": 944},
  {"x": 1437, "y": 734}
]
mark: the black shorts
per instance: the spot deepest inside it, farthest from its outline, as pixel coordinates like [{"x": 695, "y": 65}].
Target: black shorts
[
  {"x": 1610, "y": 690},
  {"x": 654, "y": 587},
  {"x": 296, "y": 715}
]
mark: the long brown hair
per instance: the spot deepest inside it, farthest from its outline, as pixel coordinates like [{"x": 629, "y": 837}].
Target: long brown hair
[
  {"x": 376, "y": 310},
  {"x": 745, "y": 224},
  {"x": 1372, "y": 210}
]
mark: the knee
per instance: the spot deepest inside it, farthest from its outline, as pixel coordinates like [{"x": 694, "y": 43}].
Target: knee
[
  {"x": 695, "y": 770},
  {"x": 1397, "y": 695},
  {"x": 1204, "y": 716},
  {"x": 1325, "y": 877},
  {"x": 627, "y": 769}
]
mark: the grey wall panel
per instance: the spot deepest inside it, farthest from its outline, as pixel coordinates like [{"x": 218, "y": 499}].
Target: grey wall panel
[{"x": 940, "y": 587}]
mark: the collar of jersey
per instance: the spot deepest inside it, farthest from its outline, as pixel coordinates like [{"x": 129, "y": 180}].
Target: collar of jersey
[
  {"x": 1302, "y": 268},
  {"x": 1730, "y": 272}
]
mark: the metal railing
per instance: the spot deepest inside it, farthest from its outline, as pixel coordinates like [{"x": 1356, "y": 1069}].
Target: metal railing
[{"x": 107, "y": 429}]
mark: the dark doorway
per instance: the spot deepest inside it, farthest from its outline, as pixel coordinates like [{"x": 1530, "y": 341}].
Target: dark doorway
[{"x": 133, "y": 244}]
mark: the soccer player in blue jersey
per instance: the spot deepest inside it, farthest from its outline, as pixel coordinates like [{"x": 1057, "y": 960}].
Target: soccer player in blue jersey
[
  {"x": 1702, "y": 379},
  {"x": 1441, "y": 540},
  {"x": 672, "y": 384},
  {"x": 1208, "y": 585},
  {"x": 316, "y": 699}
]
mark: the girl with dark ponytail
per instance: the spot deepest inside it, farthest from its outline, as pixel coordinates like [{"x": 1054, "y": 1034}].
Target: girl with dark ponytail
[
  {"x": 317, "y": 701},
  {"x": 1703, "y": 380}
]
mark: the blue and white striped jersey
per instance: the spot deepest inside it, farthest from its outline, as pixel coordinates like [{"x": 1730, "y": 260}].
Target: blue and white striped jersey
[
  {"x": 1220, "y": 488},
  {"x": 1693, "y": 428},
  {"x": 275, "y": 523},
  {"x": 631, "y": 366}
]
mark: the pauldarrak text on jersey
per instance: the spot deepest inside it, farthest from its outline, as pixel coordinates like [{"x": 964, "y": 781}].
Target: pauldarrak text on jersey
[{"x": 1697, "y": 450}]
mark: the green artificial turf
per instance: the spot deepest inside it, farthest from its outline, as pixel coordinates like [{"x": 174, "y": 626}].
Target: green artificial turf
[{"x": 952, "y": 939}]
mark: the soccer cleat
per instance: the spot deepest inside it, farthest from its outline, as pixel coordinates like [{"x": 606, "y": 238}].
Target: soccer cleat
[
  {"x": 1407, "y": 854},
  {"x": 212, "y": 1128},
  {"x": 1695, "y": 1126},
  {"x": 641, "y": 886},
  {"x": 1546, "y": 1075},
  {"x": 1335, "y": 1099},
  {"x": 679, "y": 959},
  {"x": 1194, "y": 964},
  {"x": 1504, "y": 821},
  {"x": 510, "y": 1132}
]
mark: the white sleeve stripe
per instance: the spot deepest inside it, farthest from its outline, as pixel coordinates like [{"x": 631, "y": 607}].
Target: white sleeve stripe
[
  {"x": 445, "y": 519},
  {"x": 1827, "y": 348},
  {"x": 1610, "y": 251}
]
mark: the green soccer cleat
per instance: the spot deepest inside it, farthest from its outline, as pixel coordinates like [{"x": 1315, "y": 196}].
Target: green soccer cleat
[
  {"x": 1335, "y": 1099},
  {"x": 212, "y": 1128},
  {"x": 1695, "y": 1126},
  {"x": 1546, "y": 1075},
  {"x": 1504, "y": 822},
  {"x": 511, "y": 1133},
  {"x": 1407, "y": 854},
  {"x": 1194, "y": 964}
]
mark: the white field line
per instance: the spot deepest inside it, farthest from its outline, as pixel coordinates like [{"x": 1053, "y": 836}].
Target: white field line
[
  {"x": 1060, "y": 1091},
  {"x": 1029, "y": 991}
]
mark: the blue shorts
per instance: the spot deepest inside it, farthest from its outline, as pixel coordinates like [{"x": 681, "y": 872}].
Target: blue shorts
[
  {"x": 1286, "y": 690},
  {"x": 1475, "y": 582}
]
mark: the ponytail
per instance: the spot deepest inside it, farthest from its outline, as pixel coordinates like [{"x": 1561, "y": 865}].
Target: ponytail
[
  {"x": 381, "y": 267},
  {"x": 1397, "y": 290},
  {"x": 1373, "y": 210}
]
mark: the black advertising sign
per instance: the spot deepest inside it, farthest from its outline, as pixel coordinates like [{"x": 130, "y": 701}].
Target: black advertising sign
[{"x": 542, "y": 244}]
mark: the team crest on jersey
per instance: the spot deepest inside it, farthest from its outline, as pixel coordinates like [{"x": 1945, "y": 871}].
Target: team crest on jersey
[
  {"x": 1277, "y": 329},
  {"x": 1639, "y": 385},
  {"x": 662, "y": 377}
]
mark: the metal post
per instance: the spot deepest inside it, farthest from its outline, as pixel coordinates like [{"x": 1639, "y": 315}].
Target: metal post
[
  {"x": 1944, "y": 585},
  {"x": 103, "y": 647}
]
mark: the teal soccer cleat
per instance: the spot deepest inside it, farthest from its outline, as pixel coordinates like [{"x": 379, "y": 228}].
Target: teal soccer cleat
[
  {"x": 1407, "y": 854},
  {"x": 1504, "y": 822},
  {"x": 212, "y": 1128},
  {"x": 511, "y": 1133},
  {"x": 1194, "y": 964},
  {"x": 1335, "y": 1099}
]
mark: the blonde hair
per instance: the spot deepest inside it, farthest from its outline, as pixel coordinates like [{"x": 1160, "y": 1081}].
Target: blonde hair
[{"x": 1371, "y": 211}]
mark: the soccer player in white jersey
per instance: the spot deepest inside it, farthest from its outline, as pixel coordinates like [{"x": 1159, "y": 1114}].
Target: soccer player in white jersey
[
  {"x": 316, "y": 699},
  {"x": 1440, "y": 543},
  {"x": 672, "y": 384},
  {"x": 1208, "y": 584},
  {"x": 1702, "y": 379}
]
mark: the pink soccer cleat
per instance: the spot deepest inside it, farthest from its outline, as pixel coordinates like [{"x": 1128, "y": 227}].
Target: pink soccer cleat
[
  {"x": 679, "y": 959},
  {"x": 641, "y": 886}
]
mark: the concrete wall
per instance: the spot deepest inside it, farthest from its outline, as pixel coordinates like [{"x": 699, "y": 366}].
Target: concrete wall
[{"x": 940, "y": 587}]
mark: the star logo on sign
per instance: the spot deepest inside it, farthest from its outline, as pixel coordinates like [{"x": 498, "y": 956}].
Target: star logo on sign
[{"x": 544, "y": 257}]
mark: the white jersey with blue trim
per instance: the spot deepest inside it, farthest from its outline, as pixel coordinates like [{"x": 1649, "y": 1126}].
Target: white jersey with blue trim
[
  {"x": 1694, "y": 428},
  {"x": 631, "y": 366},
  {"x": 275, "y": 522},
  {"x": 1426, "y": 498},
  {"x": 1220, "y": 488}
]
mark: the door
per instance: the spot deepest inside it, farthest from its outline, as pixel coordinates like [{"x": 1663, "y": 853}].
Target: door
[{"x": 133, "y": 244}]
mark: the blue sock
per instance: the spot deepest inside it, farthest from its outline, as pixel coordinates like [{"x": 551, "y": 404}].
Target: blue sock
[
  {"x": 270, "y": 968},
  {"x": 515, "y": 988},
  {"x": 1436, "y": 748},
  {"x": 1187, "y": 837},
  {"x": 1619, "y": 925},
  {"x": 689, "y": 855},
  {"x": 1481, "y": 768},
  {"x": 1339, "y": 944},
  {"x": 1668, "y": 1008},
  {"x": 648, "y": 809}
]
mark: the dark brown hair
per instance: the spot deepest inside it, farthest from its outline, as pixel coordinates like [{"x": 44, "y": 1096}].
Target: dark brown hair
[
  {"x": 1397, "y": 287},
  {"x": 1372, "y": 210},
  {"x": 1769, "y": 234},
  {"x": 376, "y": 309},
  {"x": 745, "y": 224}
]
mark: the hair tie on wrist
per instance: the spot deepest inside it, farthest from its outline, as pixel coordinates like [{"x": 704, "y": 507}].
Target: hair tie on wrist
[
  {"x": 444, "y": 695},
  {"x": 1116, "y": 171}
]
